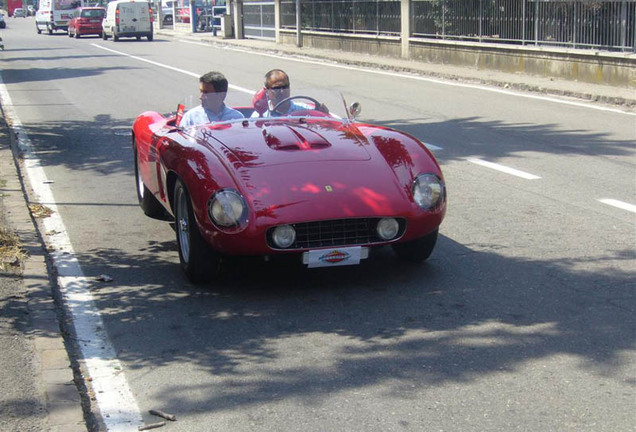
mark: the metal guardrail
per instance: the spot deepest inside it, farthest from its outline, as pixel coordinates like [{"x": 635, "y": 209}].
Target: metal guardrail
[{"x": 601, "y": 24}]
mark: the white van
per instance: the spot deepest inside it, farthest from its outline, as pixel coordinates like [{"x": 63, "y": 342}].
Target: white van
[
  {"x": 127, "y": 18},
  {"x": 54, "y": 15}
]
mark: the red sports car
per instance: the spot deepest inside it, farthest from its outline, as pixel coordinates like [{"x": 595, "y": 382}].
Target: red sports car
[
  {"x": 86, "y": 21},
  {"x": 311, "y": 183}
]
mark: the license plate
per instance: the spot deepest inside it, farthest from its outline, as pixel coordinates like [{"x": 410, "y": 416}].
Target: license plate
[
  {"x": 335, "y": 257},
  {"x": 95, "y": 21},
  {"x": 128, "y": 29}
]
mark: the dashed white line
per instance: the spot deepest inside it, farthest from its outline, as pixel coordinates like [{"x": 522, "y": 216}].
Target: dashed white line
[
  {"x": 619, "y": 204},
  {"x": 504, "y": 169},
  {"x": 114, "y": 398}
]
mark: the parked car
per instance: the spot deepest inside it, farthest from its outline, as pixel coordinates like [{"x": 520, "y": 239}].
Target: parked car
[
  {"x": 127, "y": 18},
  {"x": 86, "y": 21},
  {"x": 166, "y": 10},
  {"x": 312, "y": 185},
  {"x": 19, "y": 13},
  {"x": 3, "y": 23}
]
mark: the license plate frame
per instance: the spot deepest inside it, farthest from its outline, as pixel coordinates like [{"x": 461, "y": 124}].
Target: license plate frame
[{"x": 335, "y": 257}]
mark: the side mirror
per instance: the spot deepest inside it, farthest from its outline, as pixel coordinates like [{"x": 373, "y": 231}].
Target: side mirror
[{"x": 355, "y": 109}]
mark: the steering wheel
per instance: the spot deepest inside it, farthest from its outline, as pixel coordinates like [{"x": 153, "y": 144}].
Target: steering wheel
[{"x": 314, "y": 101}]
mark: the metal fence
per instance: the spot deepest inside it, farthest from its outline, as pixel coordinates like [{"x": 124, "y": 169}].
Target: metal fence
[
  {"x": 607, "y": 24},
  {"x": 379, "y": 17},
  {"x": 602, "y": 24}
]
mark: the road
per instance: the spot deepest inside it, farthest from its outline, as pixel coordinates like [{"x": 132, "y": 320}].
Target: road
[{"x": 523, "y": 318}]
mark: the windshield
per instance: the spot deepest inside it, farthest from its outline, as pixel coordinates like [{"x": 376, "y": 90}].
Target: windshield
[
  {"x": 66, "y": 4},
  {"x": 92, "y": 13},
  {"x": 267, "y": 104}
]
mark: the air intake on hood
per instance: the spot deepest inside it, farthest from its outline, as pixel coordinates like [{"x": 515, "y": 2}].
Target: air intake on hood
[{"x": 286, "y": 137}]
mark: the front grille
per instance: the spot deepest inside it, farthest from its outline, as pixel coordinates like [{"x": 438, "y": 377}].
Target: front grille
[{"x": 337, "y": 232}]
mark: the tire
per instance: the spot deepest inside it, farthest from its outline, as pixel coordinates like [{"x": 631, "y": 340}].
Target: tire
[
  {"x": 198, "y": 261},
  {"x": 49, "y": 29},
  {"x": 147, "y": 201},
  {"x": 104, "y": 35},
  {"x": 77, "y": 35},
  {"x": 37, "y": 29},
  {"x": 138, "y": 37},
  {"x": 150, "y": 37},
  {"x": 115, "y": 37},
  {"x": 167, "y": 20},
  {"x": 417, "y": 250}
]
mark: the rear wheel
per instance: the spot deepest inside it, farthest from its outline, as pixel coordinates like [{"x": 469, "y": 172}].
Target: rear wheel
[
  {"x": 417, "y": 250},
  {"x": 115, "y": 37},
  {"x": 198, "y": 261},
  {"x": 37, "y": 29},
  {"x": 49, "y": 29},
  {"x": 77, "y": 35},
  {"x": 104, "y": 35},
  {"x": 149, "y": 37}
]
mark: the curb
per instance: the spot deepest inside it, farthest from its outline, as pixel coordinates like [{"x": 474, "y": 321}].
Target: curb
[{"x": 55, "y": 374}]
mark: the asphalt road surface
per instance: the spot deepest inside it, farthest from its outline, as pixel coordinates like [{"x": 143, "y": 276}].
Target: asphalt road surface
[{"x": 523, "y": 318}]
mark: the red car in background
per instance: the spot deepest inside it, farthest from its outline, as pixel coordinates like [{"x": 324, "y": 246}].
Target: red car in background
[
  {"x": 86, "y": 21},
  {"x": 313, "y": 184}
]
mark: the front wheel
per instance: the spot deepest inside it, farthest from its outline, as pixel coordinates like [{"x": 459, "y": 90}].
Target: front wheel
[
  {"x": 115, "y": 37},
  {"x": 198, "y": 261},
  {"x": 104, "y": 35},
  {"x": 147, "y": 201},
  {"x": 417, "y": 250}
]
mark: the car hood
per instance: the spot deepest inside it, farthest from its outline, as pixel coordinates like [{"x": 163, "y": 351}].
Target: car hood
[
  {"x": 265, "y": 143},
  {"x": 302, "y": 171}
]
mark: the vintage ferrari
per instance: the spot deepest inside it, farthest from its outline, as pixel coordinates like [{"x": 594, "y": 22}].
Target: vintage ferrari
[{"x": 313, "y": 183}]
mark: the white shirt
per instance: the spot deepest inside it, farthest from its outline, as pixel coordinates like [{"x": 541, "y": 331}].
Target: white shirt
[{"x": 199, "y": 115}]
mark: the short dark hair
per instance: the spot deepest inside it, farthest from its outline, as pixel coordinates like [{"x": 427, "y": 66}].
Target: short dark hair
[
  {"x": 217, "y": 79},
  {"x": 273, "y": 72}
]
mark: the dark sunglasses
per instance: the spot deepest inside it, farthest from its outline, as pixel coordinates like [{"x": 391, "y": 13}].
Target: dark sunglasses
[{"x": 281, "y": 87}]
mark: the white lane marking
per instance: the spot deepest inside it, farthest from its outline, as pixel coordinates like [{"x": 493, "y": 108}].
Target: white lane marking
[
  {"x": 183, "y": 71},
  {"x": 113, "y": 396},
  {"x": 503, "y": 168},
  {"x": 619, "y": 204},
  {"x": 421, "y": 78}
]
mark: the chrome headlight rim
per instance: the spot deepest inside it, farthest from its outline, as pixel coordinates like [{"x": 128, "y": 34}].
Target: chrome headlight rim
[
  {"x": 227, "y": 210},
  {"x": 429, "y": 191}
]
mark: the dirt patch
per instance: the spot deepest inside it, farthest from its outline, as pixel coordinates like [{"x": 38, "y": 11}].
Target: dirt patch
[{"x": 12, "y": 255}]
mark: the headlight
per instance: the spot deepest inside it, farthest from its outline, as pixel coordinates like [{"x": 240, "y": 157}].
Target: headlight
[
  {"x": 387, "y": 228},
  {"x": 428, "y": 191},
  {"x": 284, "y": 236},
  {"x": 227, "y": 209}
]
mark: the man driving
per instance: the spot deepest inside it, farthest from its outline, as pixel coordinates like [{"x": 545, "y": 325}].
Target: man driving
[
  {"x": 212, "y": 91},
  {"x": 277, "y": 89}
]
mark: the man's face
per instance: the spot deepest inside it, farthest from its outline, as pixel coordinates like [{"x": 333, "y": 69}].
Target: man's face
[
  {"x": 277, "y": 90},
  {"x": 210, "y": 99}
]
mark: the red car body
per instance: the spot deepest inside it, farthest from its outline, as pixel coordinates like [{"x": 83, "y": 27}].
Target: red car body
[
  {"x": 315, "y": 174},
  {"x": 86, "y": 21}
]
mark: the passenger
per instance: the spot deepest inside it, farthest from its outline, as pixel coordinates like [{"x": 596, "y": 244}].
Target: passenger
[
  {"x": 276, "y": 90},
  {"x": 213, "y": 89}
]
